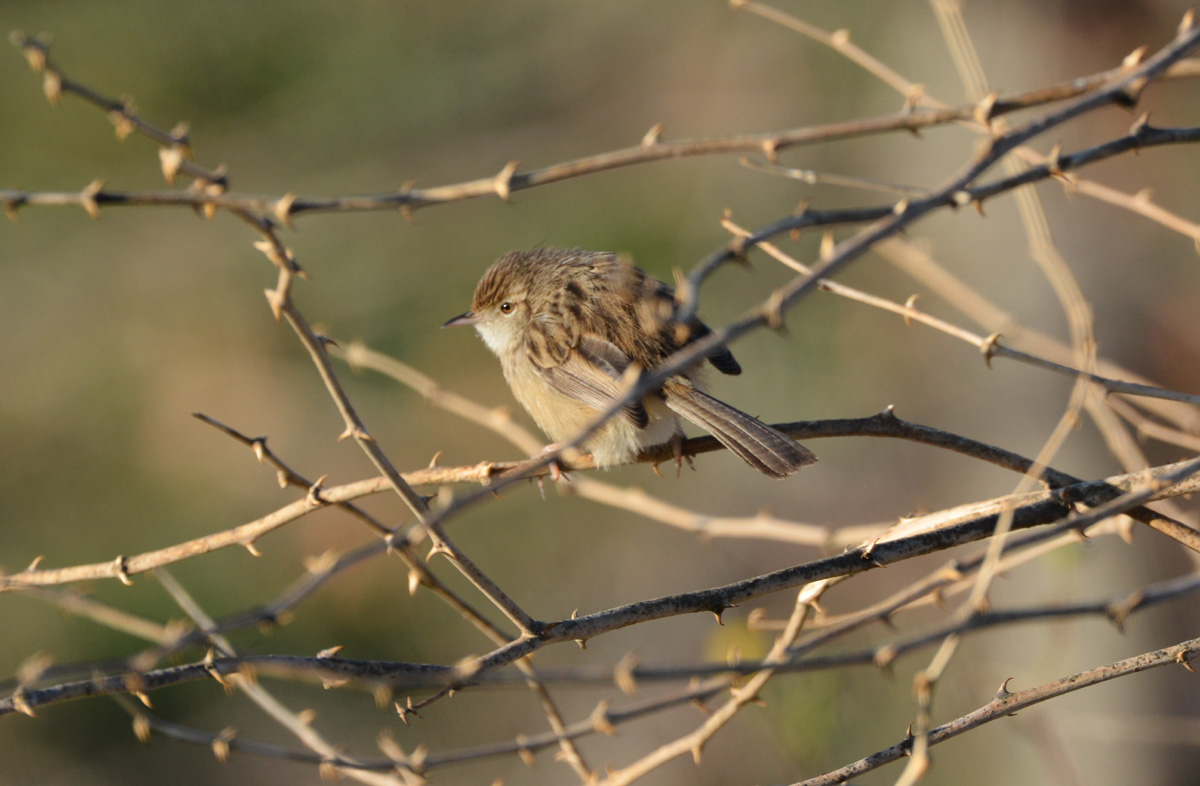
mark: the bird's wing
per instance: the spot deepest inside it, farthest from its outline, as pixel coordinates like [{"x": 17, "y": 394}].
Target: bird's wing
[
  {"x": 591, "y": 373},
  {"x": 720, "y": 356},
  {"x": 658, "y": 301}
]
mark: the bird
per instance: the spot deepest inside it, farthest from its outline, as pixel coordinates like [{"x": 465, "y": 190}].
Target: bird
[{"x": 573, "y": 328}]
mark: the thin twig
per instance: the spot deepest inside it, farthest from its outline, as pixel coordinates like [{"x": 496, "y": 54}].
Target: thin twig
[{"x": 1006, "y": 704}]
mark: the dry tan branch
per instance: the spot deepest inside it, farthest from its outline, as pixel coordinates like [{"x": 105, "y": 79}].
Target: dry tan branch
[
  {"x": 1006, "y": 704},
  {"x": 507, "y": 587}
]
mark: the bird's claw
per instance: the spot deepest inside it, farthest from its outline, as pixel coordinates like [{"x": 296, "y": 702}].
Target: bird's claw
[
  {"x": 557, "y": 471},
  {"x": 677, "y": 449}
]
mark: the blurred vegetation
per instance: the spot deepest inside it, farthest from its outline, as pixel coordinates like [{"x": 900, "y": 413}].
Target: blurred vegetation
[{"x": 116, "y": 330}]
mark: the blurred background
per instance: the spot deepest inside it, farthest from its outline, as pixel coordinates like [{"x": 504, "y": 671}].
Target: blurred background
[{"x": 116, "y": 330}]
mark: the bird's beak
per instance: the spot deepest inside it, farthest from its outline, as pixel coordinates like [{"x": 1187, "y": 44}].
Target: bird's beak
[{"x": 469, "y": 318}]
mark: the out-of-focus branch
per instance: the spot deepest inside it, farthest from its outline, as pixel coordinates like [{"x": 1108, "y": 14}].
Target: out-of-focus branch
[{"x": 298, "y": 724}]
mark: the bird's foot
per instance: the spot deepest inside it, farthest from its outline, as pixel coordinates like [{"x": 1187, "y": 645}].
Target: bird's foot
[
  {"x": 557, "y": 471},
  {"x": 677, "y": 448}
]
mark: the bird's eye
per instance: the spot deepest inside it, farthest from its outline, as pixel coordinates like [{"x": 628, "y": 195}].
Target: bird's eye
[{"x": 506, "y": 307}]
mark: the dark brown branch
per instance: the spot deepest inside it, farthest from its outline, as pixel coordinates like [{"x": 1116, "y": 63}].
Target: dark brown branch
[{"x": 410, "y": 676}]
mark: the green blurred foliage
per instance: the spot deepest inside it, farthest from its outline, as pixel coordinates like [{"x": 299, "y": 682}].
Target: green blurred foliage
[{"x": 116, "y": 330}]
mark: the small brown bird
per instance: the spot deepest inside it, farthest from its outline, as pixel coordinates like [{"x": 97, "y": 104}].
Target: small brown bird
[{"x": 567, "y": 325}]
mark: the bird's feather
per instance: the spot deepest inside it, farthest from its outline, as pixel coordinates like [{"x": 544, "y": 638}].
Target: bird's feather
[
  {"x": 767, "y": 449},
  {"x": 591, "y": 373}
]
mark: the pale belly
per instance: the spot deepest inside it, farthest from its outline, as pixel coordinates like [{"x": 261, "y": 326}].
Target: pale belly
[{"x": 618, "y": 441}]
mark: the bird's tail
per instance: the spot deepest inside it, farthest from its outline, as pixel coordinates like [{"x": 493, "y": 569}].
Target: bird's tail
[{"x": 767, "y": 449}]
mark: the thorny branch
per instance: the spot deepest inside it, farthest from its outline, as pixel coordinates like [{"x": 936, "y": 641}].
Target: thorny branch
[
  {"x": 1035, "y": 509},
  {"x": 416, "y": 677},
  {"x": 1070, "y": 504},
  {"x": 1006, "y": 704},
  {"x": 884, "y": 425},
  {"x": 887, "y": 222}
]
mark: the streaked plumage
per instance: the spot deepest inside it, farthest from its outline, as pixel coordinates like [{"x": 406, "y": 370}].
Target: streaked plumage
[{"x": 568, "y": 324}]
